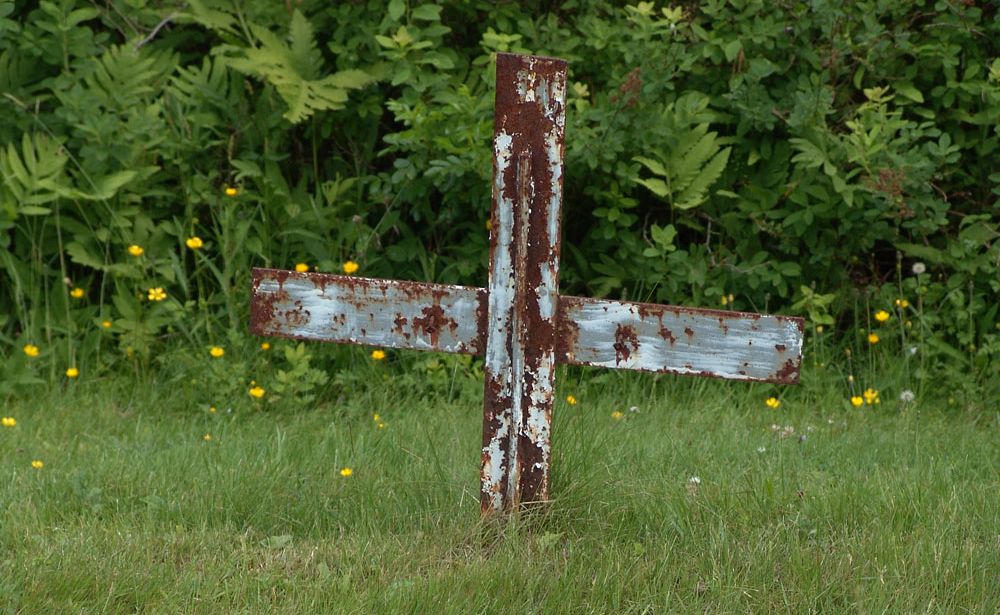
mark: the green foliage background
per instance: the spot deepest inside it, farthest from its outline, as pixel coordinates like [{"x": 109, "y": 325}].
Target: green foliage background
[{"x": 800, "y": 157}]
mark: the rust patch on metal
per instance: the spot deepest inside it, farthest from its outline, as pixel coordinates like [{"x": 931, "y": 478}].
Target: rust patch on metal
[
  {"x": 626, "y": 342},
  {"x": 780, "y": 347},
  {"x": 432, "y": 322},
  {"x": 688, "y": 331},
  {"x": 567, "y": 336},
  {"x": 667, "y": 334},
  {"x": 789, "y": 373}
]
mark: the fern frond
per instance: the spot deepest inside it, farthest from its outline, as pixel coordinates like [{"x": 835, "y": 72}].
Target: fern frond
[
  {"x": 32, "y": 176},
  {"x": 125, "y": 77},
  {"x": 694, "y": 193},
  {"x": 690, "y": 162},
  {"x": 293, "y": 69}
]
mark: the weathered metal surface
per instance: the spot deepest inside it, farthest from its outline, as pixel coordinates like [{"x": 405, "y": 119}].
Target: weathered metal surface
[
  {"x": 523, "y": 289},
  {"x": 346, "y": 309},
  {"x": 663, "y": 338},
  {"x": 595, "y": 332}
]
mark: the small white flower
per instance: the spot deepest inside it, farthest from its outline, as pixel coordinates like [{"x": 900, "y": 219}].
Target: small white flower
[
  {"x": 761, "y": 449},
  {"x": 913, "y": 350},
  {"x": 634, "y": 409},
  {"x": 919, "y": 268},
  {"x": 829, "y": 421},
  {"x": 907, "y": 396},
  {"x": 694, "y": 480}
]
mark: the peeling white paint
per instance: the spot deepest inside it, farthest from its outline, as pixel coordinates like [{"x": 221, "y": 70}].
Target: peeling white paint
[
  {"x": 710, "y": 349},
  {"x": 367, "y": 313},
  {"x": 493, "y": 466},
  {"x": 744, "y": 347}
]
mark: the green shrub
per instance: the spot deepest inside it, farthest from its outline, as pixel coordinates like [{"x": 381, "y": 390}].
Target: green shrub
[{"x": 770, "y": 153}]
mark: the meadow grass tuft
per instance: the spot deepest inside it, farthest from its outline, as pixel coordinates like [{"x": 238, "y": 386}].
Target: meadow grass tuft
[{"x": 699, "y": 497}]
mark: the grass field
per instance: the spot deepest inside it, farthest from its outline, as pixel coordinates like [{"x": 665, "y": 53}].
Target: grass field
[{"x": 867, "y": 510}]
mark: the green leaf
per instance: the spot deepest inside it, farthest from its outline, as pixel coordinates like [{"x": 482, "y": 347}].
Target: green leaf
[
  {"x": 732, "y": 49},
  {"x": 396, "y": 9},
  {"x": 657, "y": 186},
  {"x": 909, "y": 91},
  {"x": 653, "y": 165},
  {"x": 427, "y": 12},
  {"x": 919, "y": 251},
  {"x": 664, "y": 236}
]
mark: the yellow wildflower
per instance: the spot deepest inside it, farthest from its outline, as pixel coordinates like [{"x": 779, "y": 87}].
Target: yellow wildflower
[
  {"x": 871, "y": 396},
  {"x": 376, "y": 417},
  {"x": 873, "y": 338},
  {"x": 31, "y": 350},
  {"x": 302, "y": 267},
  {"x": 902, "y": 304},
  {"x": 217, "y": 351},
  {"x": 207, "y": 437},
  {"x": 378, "y": 355},
  {"x": 231, "y": 191},
  {"x": 135, "y": 250},
  {"x": 380, "y": 425},
  {"x": 77, "y": 293},
  {"x": 194, "y": 242},
  {"x": 350, "y": 267},
  {"x": 265, "y": 346},
  {"x": 881, "y": 316},
  {"x": 617, "y": 415},
  {"x": 571, "y": 400},
  {"x": 345, "y": 472},
  {"x": 257, "y": 392},
  {"x": 773, "y": 402},
  {"x": 72, "y": 372},
  {"x": 212, "y": 409},
  {"x": 157, "y": 294},
  {"x": 857, "y": 400},
  {"x": 106, "y": 324},
  {"x": 8, "y": 421},
  {"x": 38, "y": 464},
  {"x": 489, "y": 225}
]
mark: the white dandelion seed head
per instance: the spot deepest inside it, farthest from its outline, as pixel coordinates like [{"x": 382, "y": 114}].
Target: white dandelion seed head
[
  {"x": 907, "y": 396},
  {"x": 919, "y": 268},
  {"x": 694, "y": 480}
]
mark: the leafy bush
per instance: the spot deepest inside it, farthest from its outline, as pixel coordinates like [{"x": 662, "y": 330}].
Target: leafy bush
[{"x": 750, "y": 154}]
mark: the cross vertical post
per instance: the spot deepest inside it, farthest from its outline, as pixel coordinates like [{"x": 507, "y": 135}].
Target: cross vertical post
[{"x": 523, "y": 287}]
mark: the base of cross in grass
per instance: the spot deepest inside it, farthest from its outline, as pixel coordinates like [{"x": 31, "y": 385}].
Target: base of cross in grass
[{"x": 519, "y": 323}]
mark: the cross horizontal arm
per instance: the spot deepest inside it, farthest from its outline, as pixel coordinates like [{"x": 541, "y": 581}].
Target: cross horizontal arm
[{"x": 596, "y": 332}]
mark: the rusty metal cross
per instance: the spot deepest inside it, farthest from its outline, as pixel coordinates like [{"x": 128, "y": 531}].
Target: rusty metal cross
[{"x": 520, "y": 323}]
